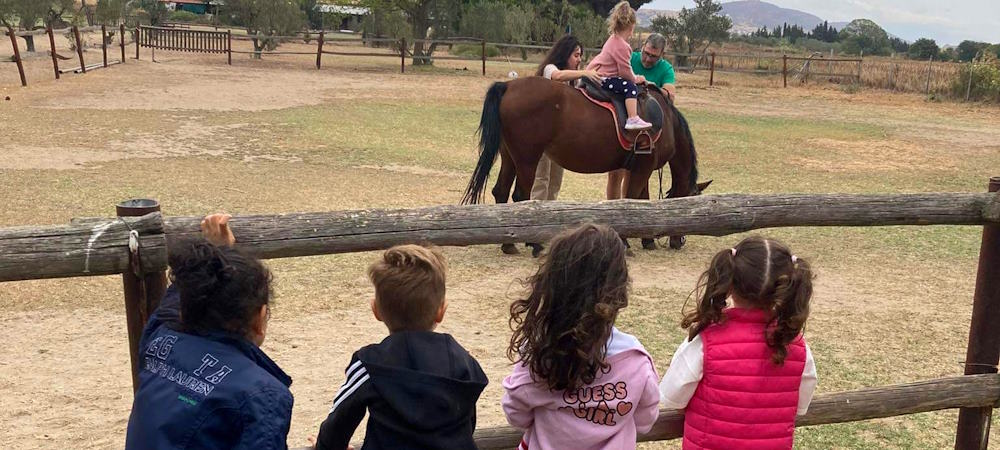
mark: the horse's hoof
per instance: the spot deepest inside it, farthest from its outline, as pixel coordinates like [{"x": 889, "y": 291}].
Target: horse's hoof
[
  {"x": 536, "y": 249},
  {"x": 509, "y": 249},
  {"x": 676, "y": 242},
  {"x": 648, "y": 244}
]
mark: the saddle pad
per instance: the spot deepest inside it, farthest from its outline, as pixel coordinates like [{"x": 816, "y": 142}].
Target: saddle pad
[{"x": 623, "y": 138}]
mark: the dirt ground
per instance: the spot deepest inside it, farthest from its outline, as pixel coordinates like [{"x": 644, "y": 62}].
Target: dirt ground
[{"x": 892, "y": 304}]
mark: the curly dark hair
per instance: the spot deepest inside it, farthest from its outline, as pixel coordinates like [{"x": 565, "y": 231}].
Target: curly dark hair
[
  {"x": 560, "y": 53},
  {"x": 221, "y": 288},
  {"x": 762, "y": 272},
  {"x": 562, "y": 327}
]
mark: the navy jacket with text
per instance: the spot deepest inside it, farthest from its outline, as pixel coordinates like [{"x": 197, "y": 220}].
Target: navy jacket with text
[{"x": 213, "y": 391}]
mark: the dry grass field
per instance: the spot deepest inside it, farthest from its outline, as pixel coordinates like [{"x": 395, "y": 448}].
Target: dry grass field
[{"x": 892, "y": 304}]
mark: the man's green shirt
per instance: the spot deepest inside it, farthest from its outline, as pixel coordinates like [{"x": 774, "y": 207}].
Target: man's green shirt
[{"x": 661, "y": 73}]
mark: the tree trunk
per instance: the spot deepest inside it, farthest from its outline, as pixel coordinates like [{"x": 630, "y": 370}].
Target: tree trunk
[
  {"x": 29, "y": 43},
  {"x": 420, "y": 27}
]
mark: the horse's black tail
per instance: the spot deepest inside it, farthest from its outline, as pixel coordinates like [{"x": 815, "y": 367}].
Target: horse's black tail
[
  {"x": 693, "y": 177},
  {"x": 489, "y": 143}
]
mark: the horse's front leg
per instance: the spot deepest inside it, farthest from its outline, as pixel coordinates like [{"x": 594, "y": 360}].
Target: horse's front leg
[{"x": 638, "y": 189}]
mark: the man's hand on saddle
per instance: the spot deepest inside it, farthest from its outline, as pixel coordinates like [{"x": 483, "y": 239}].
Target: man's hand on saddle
[
  {"x": 215, "y": 229},
  {"x": 639, "y": 79}
]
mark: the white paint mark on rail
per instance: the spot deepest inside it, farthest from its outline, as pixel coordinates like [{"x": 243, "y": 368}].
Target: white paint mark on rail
[{"x": 96, "y": 232}]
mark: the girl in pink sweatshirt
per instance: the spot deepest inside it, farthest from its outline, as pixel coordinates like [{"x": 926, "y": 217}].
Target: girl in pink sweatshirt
[
  {"x": 614, "y": 63},
  {"x": 578, "y": 382},
  {"x": 745, "y": 372}
]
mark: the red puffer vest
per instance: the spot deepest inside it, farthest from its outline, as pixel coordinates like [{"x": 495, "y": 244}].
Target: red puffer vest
[{"x": 744, "y": 401}]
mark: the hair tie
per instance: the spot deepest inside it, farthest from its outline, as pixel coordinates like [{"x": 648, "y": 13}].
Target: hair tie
[
  {"x": 733, "y": 250},
  {"x": 795, "y": 259}
]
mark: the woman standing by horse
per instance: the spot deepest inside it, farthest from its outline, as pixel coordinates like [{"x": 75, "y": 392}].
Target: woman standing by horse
[{"x": 560, "y": 64}]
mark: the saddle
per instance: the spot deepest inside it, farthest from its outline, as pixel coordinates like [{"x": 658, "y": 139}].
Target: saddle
[{"x": 639, "y": 142}]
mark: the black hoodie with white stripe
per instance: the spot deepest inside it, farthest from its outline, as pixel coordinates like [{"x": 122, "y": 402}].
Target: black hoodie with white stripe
[{"x": 420, "y": 389}]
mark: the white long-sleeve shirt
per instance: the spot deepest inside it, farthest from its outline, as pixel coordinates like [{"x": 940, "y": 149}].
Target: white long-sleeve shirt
[{"x": 687, "y": 367}]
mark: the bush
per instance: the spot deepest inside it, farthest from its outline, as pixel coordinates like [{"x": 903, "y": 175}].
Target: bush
[
  {"x": 184, "y": 16},
  {"x": 475, "y": 50},
  {"x": 985, "y": 74}
]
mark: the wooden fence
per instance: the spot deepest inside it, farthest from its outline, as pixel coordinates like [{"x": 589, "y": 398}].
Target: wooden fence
[
  {"x": 137, "y": 242},
  {"x": 78, "y": 45}
]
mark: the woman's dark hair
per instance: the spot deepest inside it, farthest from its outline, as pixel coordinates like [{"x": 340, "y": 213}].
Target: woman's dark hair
[
  {"x": 561, "y": 329},
  {"x": 221, "y": 288},
  {"x": 559, "y": 54},
  {"x": 764, "y": 273}
]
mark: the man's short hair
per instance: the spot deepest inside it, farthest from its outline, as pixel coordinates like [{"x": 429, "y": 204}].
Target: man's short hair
[
  {"x": 409, "y": 287},
  {"x": 657, "y": 41}
]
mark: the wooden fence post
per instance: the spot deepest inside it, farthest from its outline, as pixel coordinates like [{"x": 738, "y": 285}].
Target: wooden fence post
[
  {"x": 483, "y": 42},
  {"x": 711, "y": 71},
  {"x": 983, "y": 353},
  {"x": 860, "y": 61},
  {"x": 892, "y": 76},
  {"x": 52, "y": 48},
  {"x": 229, "y": 45},
  {"x": 138, "y": 37},
  {"x": 402, "y": 55},
  {"x": 968, "y": 88},
  {"x": 104, "y": 43},
  {"x": 930, "y": 63},
  {"x": 79, "y": 49},
  {"x": 17, "y": 57},
  {"x": 784, "y": 69},
  {"x": 143, "y": 291},
  {"x": 319, "y": 51},
  {"x": 121, "y": 36}
]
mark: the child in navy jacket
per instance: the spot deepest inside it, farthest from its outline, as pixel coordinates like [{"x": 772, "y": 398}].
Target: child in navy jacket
[{"x": 204, "y": 382}]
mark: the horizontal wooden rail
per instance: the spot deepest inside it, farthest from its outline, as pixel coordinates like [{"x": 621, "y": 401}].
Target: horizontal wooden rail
[
  {"x": 839, "y": 407},
  {"x": 92, "y": 248},
  {"x": 851, "y": 406},
  {"x": 84, "y": 248}
]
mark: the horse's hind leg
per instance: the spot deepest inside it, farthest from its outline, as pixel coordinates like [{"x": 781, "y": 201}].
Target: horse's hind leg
[{"x": 501, "y": 190}]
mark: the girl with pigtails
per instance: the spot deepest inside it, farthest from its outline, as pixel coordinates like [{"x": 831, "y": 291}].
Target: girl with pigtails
[{"x": 745, "y": 372}]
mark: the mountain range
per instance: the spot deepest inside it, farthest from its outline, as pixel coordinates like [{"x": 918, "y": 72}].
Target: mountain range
[{"x": 750, "y": 15}]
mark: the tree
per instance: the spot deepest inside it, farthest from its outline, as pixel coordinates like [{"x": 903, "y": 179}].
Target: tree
[
  {"x": 428, "y": 19},
  {"x": 313, "y": 15},
  {"x": 824, "y": 32},
  {"x": 967, "y": 50},
  {"x": 25, "y": 14},
  {"x": 694, "y": 29},
  {"x": 156, "y": 10},
  {"x": 924, "y": 49},
  {"x": 264, "y": 19},
  {"x": 898, "y": 45},
  {"x": 864, "y": 36}
]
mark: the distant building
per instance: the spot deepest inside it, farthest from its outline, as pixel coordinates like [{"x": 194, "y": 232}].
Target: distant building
[{"x": 194, "y": 6}]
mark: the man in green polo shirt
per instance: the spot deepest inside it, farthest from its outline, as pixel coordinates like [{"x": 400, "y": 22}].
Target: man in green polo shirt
[{"x": 650, "y": 63}]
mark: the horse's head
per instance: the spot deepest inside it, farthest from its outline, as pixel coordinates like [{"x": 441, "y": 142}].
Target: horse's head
[{"x": 676, "y": 242}]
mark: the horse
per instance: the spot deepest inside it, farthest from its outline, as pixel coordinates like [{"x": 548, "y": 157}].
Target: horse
[{"x": 526, "y": 117}]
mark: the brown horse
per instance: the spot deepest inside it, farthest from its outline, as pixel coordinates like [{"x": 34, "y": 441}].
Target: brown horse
[{"x": 530, "y": 116}]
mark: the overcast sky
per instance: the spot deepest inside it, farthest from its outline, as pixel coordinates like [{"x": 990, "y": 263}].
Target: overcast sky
[{"x": 947, "y": 22}]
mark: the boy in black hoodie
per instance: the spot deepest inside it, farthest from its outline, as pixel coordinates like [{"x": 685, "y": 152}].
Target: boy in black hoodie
[{"x": 420, "y": 387}]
